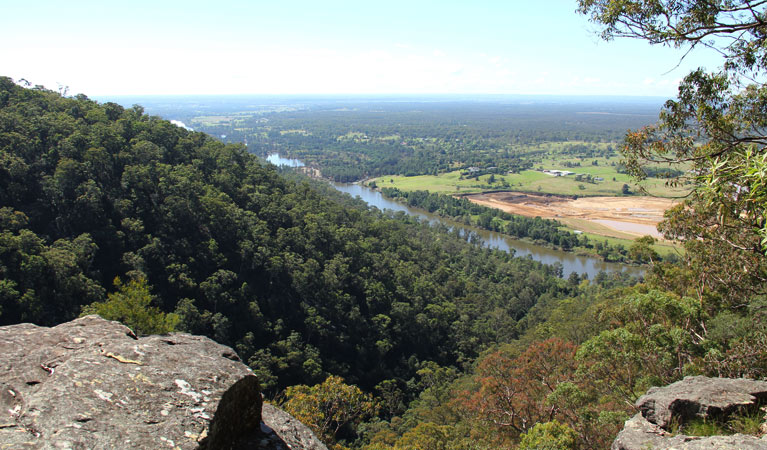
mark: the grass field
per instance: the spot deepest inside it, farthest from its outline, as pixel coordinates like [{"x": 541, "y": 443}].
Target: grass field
[
  {"x": 599, "y": 233},
  {"x": 537, "y": 181}
]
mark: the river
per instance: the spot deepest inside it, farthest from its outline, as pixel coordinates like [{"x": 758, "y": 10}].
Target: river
[{"x": 570, "y": 261}]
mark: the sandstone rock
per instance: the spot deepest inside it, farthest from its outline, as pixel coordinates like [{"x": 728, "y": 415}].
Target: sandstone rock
[
  {"x": 700, "y": 397},
  {"x": 295, "y": 434},
  {"x": 90, "y": 384},
  {"x": 238, "y": 416},
  {"x": 692, "y": 397},
  {"x": 640, "y": 434}
]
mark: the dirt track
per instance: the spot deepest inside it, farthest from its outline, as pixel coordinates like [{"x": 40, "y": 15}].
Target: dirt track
[{"x": 635, "y": 216}]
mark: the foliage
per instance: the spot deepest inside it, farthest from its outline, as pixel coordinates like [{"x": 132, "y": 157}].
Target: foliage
[
  {"x": 702, "y": 427},
  {"x": 302, "y": 281},
  {"x": 746, "y": 423},
  {"x": 513, "y": 390},
  {"x": 132, "y": 305},
  {"x": 425, "y": 436},
  {"x": 739, "y": 421},
  {"x": 628, "y": 339},
  {"x": 306, "y": 283},
  {"x": 715, "y": 130},
  {"x": 549, "y": 436},
  {"x": 641, "y": 250},
  {"x": 42, "y": 281},
  {"x": 652, "y": 337},
  {"x": 716, "y": 124},
  {"x": 329, "y": 407},
  {"x": 737, "y": 344}
]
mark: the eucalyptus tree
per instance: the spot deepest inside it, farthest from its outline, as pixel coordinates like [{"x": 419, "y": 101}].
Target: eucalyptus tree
[{"x": 716, "y": 127}]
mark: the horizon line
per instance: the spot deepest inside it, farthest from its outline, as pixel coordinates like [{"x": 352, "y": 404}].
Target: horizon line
[{"x": 387, "y": 95}]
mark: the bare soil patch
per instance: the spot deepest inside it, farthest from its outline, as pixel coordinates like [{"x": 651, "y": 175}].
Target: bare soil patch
[{"x": 636, "y": 216}]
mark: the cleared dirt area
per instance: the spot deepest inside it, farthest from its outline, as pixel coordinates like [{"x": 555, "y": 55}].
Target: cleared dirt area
[{"x": 610, "y": 216}]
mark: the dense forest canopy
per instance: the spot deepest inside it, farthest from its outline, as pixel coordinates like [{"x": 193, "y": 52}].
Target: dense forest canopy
[{"x": 302, "y": 283}]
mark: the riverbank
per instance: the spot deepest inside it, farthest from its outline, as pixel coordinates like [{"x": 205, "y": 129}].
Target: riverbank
[
  {"x": 617, "y": 217},
  {"x": 571, "y": 262},
  {"x": 545, "y": 232}
]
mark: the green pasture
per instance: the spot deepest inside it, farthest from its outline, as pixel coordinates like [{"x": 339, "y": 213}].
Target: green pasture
[
  {"x": 663, "y": 248},
  {"x": 537, "y": 181}
]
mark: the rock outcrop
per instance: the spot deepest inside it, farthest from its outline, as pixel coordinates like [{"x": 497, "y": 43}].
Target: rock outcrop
[
  {"x": 693, "y": 397},
  {"x": 90, "y": 384}
]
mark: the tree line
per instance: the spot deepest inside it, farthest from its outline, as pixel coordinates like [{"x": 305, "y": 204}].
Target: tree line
[
  {"x": 541, "y": 231},
  {"x": 361, "y": 139}
]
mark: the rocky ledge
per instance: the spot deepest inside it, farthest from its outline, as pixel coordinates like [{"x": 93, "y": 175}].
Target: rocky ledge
[
  {"x": 92, "y": 383},
  {"x": 693, "y": 397}
]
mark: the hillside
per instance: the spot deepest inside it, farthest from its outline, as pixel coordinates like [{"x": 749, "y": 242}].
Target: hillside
[{"x": 302, "y": 285}]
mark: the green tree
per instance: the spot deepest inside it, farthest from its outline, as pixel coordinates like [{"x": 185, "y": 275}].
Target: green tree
[
  {"x": 549, "y": 436},
  {"x": 329, "y": 406},
  {"x": 425, "y": 436},
  {"x": 654, "y": 340},
  {"x": 716, "y": 126},
  {"x": 641, "y": 250},
  {"x": 132, "y": 305}
]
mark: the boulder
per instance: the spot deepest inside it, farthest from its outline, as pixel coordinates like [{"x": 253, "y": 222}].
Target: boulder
[
  {"x": 639, "y": 434},
  {"x": 92, "y": 383},
  {"x": 701, "y": 397}
]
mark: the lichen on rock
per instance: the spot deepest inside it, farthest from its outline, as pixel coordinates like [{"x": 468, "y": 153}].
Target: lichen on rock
[
  {"x": 692, "y": 398},
  {"x": 92, "y": 383}
]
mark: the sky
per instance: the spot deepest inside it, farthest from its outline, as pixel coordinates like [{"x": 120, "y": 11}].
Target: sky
[{"x": 170, "y": 47}]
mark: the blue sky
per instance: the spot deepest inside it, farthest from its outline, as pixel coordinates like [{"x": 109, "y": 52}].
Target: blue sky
[{"x": 329, "y": 47}]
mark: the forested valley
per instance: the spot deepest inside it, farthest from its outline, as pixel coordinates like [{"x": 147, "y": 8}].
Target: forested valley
[
  {"x": 432, "y": 341},
  {"x": 108, "y": 210},
  {"x": 379, "y": 331},
  {"x": 302, "y": 281}
]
